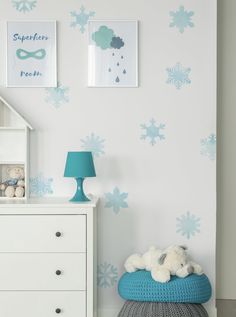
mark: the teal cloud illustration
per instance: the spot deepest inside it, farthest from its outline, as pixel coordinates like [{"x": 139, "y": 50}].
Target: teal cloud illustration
[{"x": 105, "y": 38}]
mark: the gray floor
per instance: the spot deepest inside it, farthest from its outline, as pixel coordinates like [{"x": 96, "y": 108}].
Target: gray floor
[{"x": 226, "y": 308}]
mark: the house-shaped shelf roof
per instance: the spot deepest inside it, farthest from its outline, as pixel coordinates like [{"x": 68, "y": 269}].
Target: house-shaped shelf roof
[{"x": 12, "y": 110}]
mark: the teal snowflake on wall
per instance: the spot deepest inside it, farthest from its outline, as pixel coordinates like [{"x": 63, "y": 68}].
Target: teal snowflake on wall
[
  {"x": 116, "y": 200},
  {"x": 24, "y": 5},
  {"x": 81, "y": 18},
  {"x": 208, "y": 147},
  {"x": 94, "y": 144},
  {"x": 153, "y": 132},
  {"x": 107, "y": 275},
  {"x": 40, "y": 185},
  {"x": 188, "y": 225},
  {"x": 178, "y": 76},
  {"x": 181, "y": 19},
  {"x": 57, "y": 96}
]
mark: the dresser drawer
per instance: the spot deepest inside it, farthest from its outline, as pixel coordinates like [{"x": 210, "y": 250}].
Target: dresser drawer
[
  {"x": 42, "y": 272},
  {"x": 43, "y": 233},
  {"x": 42, "y": 304}
]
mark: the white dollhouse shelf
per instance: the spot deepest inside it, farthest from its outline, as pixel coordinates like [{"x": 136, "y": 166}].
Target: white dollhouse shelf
[{"x": 14, "y": 143}]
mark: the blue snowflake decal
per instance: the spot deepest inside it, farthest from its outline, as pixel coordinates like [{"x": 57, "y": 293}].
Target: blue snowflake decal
[
  {"x": 94, "y": 144},
  {"x": 208, "y": 147},
  {"x": 107, "y": 275},
  {"x": 24, "y": 5},
  {"x": 81, "y": 18},
  {"x": 188, "y": 225},
  {"x": 153, "y": 132},
  {"x": 116, "y": 200},
  {"x": 181, "y": 19},
  {"x": 178, "y": 76},
  {"x": 57, "y": 96},
  {"x": 40, "y": 186}
]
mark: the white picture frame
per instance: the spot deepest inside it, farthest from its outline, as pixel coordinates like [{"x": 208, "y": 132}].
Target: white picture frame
[
  {"x": 31, "y": 54},
  {"x": 113, "y": 53}
]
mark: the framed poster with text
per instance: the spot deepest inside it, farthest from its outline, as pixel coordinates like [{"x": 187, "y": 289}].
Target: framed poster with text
[{"x": 31, "y": 54}]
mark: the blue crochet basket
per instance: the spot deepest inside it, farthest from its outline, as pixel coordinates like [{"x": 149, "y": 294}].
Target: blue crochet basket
[{"x": 139, "y": 286}]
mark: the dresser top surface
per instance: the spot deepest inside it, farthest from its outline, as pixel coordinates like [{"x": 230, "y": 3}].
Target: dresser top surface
[{"x": 48, "y": 202}]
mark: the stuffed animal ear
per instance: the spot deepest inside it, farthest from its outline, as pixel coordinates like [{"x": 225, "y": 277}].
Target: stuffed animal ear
[
  {"x": 161, "y": 259},
  {"x": 183, "y": 247}
]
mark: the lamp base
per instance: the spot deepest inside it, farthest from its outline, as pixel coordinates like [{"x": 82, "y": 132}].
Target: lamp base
[{"x": 79, "y": 195}]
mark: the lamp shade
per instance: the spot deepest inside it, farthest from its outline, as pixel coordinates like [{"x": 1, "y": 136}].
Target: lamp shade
[{"x": 79, "y": 165}]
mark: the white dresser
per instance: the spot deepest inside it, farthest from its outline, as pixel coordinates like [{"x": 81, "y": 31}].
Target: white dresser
[{"x": 47, "y": 258}]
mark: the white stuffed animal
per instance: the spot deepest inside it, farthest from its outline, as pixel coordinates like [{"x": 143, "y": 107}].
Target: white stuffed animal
[
  {"x": 162, "y": 264},
  {"x": 14, "y": 186}
]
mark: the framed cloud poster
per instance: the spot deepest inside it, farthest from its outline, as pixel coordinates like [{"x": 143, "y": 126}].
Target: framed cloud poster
[
  {"x": 113, "y": 53},
  {"x": 31, "y": 54}
]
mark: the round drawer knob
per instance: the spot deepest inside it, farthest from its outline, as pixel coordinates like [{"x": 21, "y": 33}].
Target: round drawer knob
[
  {"x": 58, "y": 272},
  {"x": 58, "y": 310},
  {"x": 58, "y": 234}
]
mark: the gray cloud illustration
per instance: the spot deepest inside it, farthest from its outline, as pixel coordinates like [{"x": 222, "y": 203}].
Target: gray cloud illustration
[{"x": 117, "y": 42}]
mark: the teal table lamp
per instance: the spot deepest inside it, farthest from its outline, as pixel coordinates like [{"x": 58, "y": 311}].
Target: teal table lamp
[{"x": 79, "y": 165}]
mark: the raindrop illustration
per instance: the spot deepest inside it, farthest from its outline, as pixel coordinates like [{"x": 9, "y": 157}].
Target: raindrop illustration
[
  {"x": 122, "y": 57},
  {"x": 124, "y": 71},
  {"x": 118, "y": 64},
  {"x": 113, "y": 54},
  {"x": 109, "y": 70},
  {"x": 117, "y": 79}
]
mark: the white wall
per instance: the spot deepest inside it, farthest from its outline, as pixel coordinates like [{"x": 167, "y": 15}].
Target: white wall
[
  {"x": 164, "y": 181},
  {"x": 226, "y": 255}
]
